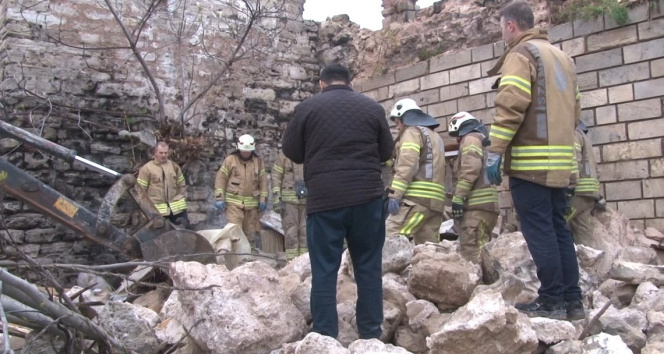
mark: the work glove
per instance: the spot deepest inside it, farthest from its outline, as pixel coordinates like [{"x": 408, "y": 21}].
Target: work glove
[
  {"x": 600, "y": 204},
  {"x": 220, "y": 204},
  {"x": 493, "y": 173},
  {"x": 277, "y": 205},
  {"x": 262, "y": 206},
  {"x": 569, "y": 194},
  {"x": 393, "y": 206},
  {"x": 457, "y": 208}
]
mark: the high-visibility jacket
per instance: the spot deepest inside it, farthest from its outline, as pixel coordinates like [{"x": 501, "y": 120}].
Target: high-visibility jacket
[
  {"x": 588, "y": 182},
  {"x": 240, "y": 182},
  {"x": 419, "y": 168},
  {"x": 284, "y": 174},
  {"x": 473, "y": 189},
  {"x": 165, "y": 185},
  {"x": 537, "y": 110}
]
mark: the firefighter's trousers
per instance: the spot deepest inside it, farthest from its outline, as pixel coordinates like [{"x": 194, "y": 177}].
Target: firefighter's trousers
[
  {"x": 294, "y": 222},
  {"x": 474, "y": 232},
  {"x": 416, "y": 222},
  {"x": 580, "y": 221},
  {"x": 247, "y": 218}
]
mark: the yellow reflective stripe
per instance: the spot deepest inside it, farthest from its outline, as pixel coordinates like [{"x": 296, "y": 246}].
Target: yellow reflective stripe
[
  {"x": 425, "y": 194},
  {"x": 501, "y": 133},
  {"x": 463, "y": 184},
  {"x": 142, "y": 182},
  {"x": 538, "y": 165},
  {"x": 411, "y": 224},
  {"x": 278, "y": 168},
  {"x": 276, "y": 190},
  {"x": 242, "y": 200},
  {"x": 474, "y": 148},
  {"x": 543, "y": 151},
  {"x": 483, "y": 196},
  {"x": 578, "y": 93},
  {"x": 263, "y": 194},
  {"x": 178, "y": 205},
  {"x": 587, "y": 184},
  {"x": 515, "y": 81},
  {"x": 428, "y": 185},
  {"x": 577, "y": 146},
  {"x": 181, "y": 179},
  {"x": 219, "y": 191},
  {"x": 412, "y": 146},
  {"x": 457, "y": 200},
  {"x": 262, "y": 172},
  {"x": 224, "y": 170},
  {"x": 398, "y": 185},
  {"x": 162, "y": 208}
]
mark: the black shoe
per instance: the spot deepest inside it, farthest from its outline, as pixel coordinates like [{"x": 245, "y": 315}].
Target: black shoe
[
  {"x": 575, "y": 310},
  {"x": 543, "y": 308}
]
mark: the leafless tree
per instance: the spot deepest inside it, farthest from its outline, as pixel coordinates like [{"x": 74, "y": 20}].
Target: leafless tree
[{"x": 182, "y": 49}]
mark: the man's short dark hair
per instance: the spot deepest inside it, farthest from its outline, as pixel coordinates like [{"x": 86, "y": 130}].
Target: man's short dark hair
[
  {"x": 520, "y": 13},
  {"x": 335, "y": 72}
]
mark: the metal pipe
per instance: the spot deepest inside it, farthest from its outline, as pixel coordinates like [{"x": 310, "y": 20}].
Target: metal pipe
[{"x": 52, "y": 148}]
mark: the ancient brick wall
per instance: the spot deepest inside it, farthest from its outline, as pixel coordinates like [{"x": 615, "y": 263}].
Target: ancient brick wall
[{"x": 621, "y": 77}]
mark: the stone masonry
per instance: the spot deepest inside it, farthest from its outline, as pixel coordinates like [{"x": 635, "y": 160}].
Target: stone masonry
[{"x": 621, "y": 77}]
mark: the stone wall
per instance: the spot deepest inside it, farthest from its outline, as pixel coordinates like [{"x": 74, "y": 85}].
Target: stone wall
[
  {"x": 621, "y": 76},
  {"x": 80, "y": 99}
]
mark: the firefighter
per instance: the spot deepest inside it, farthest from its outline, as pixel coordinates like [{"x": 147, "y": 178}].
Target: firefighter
[
  {"x": 165, "y": 184},
  {"x": 289, "y": 198},
  {"x": 240, "y": 188},
  {"x": 586, "y": 195},
  {"x": 417, "y": 193},
  {"x": 475, "y": 201},
  {"x": 537, "y": 109}
]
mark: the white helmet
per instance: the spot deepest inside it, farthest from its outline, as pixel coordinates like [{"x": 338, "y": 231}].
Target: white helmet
[
  {"x": 402, "y": 106},
  {"x": 458, "y": 120},
  {"x": 246, "y": 143}
]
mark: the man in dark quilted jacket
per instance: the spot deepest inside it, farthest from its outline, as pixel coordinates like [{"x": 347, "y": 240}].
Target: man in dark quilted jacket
[{"x": 342, "y": 137}]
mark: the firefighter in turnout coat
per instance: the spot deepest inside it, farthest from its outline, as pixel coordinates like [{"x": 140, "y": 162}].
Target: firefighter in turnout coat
[
  {"x": 240, "y": 188},
  {"x": 537, "y": 110},
  {"x": 417, "y": 192},
  {"x": 289, "y": 198},
  {"x": 586, "y": 193},
  {"x": 475, "y": 201},
  {"x": 165, "y": 184}
]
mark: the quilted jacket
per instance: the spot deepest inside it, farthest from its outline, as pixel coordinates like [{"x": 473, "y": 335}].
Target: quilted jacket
[{"x": 341, "y": 137}]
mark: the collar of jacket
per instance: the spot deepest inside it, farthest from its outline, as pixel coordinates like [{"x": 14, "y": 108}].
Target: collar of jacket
[
  {"x": 337, "y": 87},
  {"x": 237, "y": 152},
  {"x": 533, "y": 33},
  {"x": 160, "y": 163}
]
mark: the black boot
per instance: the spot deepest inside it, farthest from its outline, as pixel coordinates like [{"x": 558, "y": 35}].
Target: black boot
[
  {"x": 543, "y": 308},
  {"x": 575, "y": 310},
  {"x": 258, "y": 243}
]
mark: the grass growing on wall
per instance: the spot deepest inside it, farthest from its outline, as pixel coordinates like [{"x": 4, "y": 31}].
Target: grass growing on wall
[{"x": 590, "y": 9}]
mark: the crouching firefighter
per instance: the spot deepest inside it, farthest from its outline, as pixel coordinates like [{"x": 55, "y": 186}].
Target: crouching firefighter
[
  {"x": 417, "y": 192},
  {"x": 240, "y": 189},
  {"x": 475, "y": 201}
]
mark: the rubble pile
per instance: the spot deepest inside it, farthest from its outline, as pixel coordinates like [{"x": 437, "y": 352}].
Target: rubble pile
[{"x": 434, "y": 301}]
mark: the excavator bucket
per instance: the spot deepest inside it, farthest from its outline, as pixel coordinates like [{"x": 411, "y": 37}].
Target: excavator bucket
[{"x": 179, "y": 245}]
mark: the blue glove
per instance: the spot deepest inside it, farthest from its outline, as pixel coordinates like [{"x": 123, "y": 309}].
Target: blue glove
[
  {"x": 220, "y": 204},
  {"x": 393, "y": 206},
  {"x": 493, "y": 173},
  {"x": 262, "y": 206}
]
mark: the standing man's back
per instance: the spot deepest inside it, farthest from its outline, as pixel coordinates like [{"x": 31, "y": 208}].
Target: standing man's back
[{"x": 342, "y": 137}]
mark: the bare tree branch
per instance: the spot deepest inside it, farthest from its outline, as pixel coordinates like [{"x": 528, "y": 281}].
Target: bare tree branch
[
  {"x": 57, "y": 310},
  {"x": 5, "y": 330}
]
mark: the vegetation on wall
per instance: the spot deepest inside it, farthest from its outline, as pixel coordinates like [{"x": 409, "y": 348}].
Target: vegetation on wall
[{"x": 590, "y": 9}]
